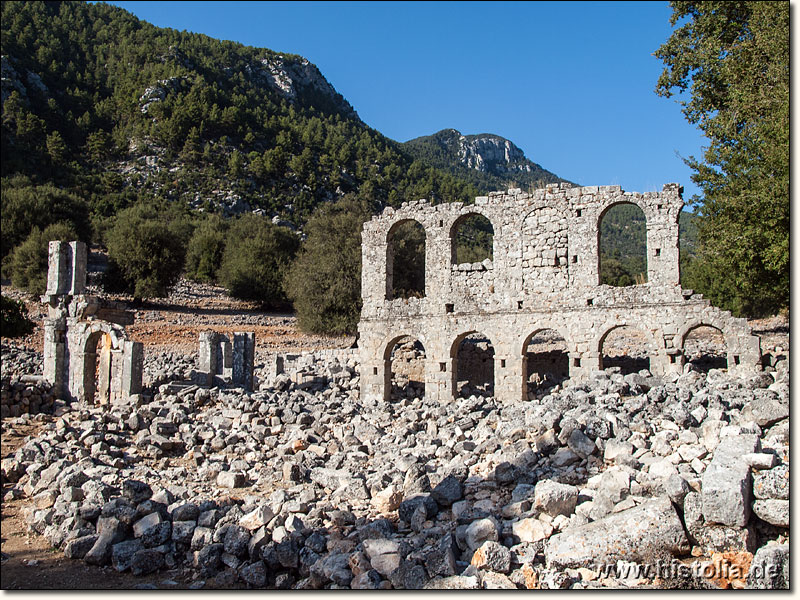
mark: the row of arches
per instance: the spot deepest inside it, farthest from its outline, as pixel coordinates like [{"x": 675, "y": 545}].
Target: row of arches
[
  {"x": 545, "y": 359},
  {"x": 621, "y": 243}
]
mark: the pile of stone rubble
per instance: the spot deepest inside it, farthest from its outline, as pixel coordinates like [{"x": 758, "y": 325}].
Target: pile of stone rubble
[{"x": 302, "y": 485}]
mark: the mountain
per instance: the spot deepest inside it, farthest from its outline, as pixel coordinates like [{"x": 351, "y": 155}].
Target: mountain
[
  {"x": 117, "y": 111},
  {"x": 487, "y": 161}
]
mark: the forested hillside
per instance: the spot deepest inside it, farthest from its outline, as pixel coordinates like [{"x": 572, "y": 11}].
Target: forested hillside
[{"x": 116, "y": 110}]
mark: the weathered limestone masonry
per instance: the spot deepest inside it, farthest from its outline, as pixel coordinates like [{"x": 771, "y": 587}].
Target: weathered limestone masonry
[
  {"x": 545, "y": 275},
  {"x": 219, "y": 358},
  {"x": 75, "y": 324}
]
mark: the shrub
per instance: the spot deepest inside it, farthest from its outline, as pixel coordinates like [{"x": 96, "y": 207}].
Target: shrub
[
  {"x": 255, "y": 260},
  {"x": 146, "y": 251},
  {"x": 27, "y": 265},
  {"x": 324, "y": 281},
  {"x": 14, "y": 321},
  {"x": 27, "y": 206},
  {"x": 205, "y": 250}
]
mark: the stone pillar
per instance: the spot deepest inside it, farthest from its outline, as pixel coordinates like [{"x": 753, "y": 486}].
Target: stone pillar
[
  {"x": 208, "y": 351},
  {"x": 509, "y": 378},
  {"x": 132, "y": 368},
  {"x": 66, "y": 268},
  {"x": 244, "y": 346},
  {"x": 440, "y": 379},
  {"x": 372, "y": 379},
  {"x": 55, "y": 354}
]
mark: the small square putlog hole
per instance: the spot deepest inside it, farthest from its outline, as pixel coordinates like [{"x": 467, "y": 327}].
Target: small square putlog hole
[
  {"x": 590, "y": 302},
  {"x": 576, "y": 362},
  {"x": 448, "y": 308},
  {"x": 443, "y": 367}
]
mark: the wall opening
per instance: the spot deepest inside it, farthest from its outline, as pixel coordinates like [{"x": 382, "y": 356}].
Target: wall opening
[
  {"x": 705, "y": 349},
  {"x": 546, "y": 361},
  {"x": 97, "y": 368},
  {"x": 405, "y": 261},
  {"x": 474, "y": 366},
  {"x": 472, "y": 239},
  {"x": 622, "y": 245},
  {"x": 407, "y": 364},
  {"x": 626, "y": 349}
]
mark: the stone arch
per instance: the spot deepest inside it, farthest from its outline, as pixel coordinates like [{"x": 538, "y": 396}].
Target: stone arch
[
  {"x": 478, "y": 367},
  {"x": 96, "y": 372},
  {"x": 605, "y": 209},
  {"x": 552, "y": 364},
  {"x": 460, "y": 221},
  {"x": 411, "y": 382},
  {"x": 414, "y": 281},
  {"x": 651, "y": 346},
  {"x": 685, "y": 331}
]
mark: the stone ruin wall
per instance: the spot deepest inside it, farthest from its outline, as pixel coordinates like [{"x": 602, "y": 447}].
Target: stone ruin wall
[
  {"x": 88, "y": 356},
  {"x": 545, "y": 275}
]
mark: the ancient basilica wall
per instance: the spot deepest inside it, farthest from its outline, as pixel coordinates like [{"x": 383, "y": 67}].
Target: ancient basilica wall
[{"x": 544, "y": 274}]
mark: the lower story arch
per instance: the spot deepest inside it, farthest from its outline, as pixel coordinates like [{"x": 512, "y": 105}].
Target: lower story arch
[
  {"x": 545, "y": 361},
  {"x": 626, "y": 347},
  {"x": 472, "y": 355},
  {"x": 704, "y": 347},
  {"x": 405, "y": 365}
]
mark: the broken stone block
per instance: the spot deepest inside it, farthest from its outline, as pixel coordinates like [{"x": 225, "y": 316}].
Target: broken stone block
[{"x": 642, "y": 534}]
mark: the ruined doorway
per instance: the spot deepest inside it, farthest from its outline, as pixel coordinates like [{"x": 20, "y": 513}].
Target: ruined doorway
[
  {"x": 705, "y": 349},
  {"x": 625, "y": 348},
  {"x": 97, "y": 368},
  {"x": 622, "y": 245},
  {"x": 474, "y": 366},
  {"x": 406, "y": 362},
  {"x": 545, "y": 361},
  {"x": 405, "y": 260}
]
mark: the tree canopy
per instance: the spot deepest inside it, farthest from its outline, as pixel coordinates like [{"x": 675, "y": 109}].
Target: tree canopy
[{"x": 731, "y": 59}]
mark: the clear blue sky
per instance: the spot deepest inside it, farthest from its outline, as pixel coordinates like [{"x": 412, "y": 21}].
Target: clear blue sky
[{"x": 571, "y": 83}]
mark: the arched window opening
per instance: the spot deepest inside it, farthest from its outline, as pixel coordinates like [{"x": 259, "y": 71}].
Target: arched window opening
[
  {"x": 626, "y": 350},
  {"x": 622, "y": 246},
  {"x": 407, "y": 363},
  {"x": 547, "y": 362},
  {"x": 405, "y": 261},
  {"x": 474, "y": 366},
  {"x": 472, "y": 240},
  {"x": 704, "y": 348}
]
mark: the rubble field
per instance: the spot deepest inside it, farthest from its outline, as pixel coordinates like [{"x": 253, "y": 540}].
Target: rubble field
[{"x": 621, "y": 481}]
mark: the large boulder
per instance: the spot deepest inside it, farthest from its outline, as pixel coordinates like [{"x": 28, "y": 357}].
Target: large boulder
[{"x": 643, "y": 533}]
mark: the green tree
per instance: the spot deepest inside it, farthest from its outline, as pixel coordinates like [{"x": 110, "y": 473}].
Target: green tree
[
  {"x": 27, "y": 265},
  {"x": 26, "y": 206},
  {"x": 146, "y": 250},
  {"x": 14, "y": 321},
  {"x": 733, "y": 59},
  {"x": 255, "y": 260},
  {"x": 324, "y": 281},
  {"x": 205, "y": 250}
]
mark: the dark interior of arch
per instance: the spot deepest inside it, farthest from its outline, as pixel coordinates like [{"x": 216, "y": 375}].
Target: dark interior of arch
[
  {"x": 625, "y": 348},
  {"x": 408, "y": 369},
  {"x": 473, "y": 240},
  {"x": 623, "y": 246},
  {"x": 475, "y": 367},
  {"x": 547, "y": 361},
  {"x": 407, "y": 243},
  {"x": 704, "y": 348}
]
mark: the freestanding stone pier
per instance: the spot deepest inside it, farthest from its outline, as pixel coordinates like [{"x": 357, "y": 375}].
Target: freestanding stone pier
[{"x": 545, "y": 275}]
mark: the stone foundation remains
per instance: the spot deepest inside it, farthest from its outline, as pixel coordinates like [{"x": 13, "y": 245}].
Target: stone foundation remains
[
  {"x": 87, "y": 354},
  {"x": 545, "y": 275},
  {"x": 219, "y": 358}
]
